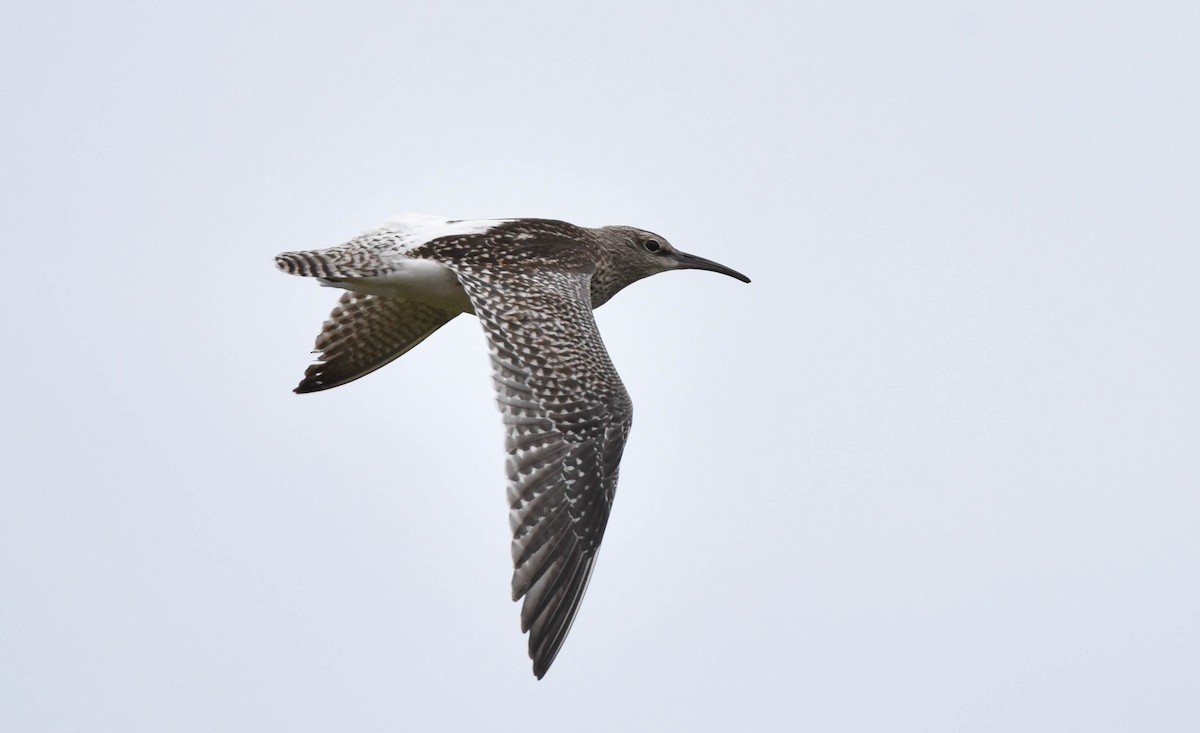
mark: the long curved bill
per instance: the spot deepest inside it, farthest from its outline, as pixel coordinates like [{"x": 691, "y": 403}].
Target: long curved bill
[{"x": 692, "y": 262}]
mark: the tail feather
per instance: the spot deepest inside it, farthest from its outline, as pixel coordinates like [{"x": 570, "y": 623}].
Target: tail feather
[{"x": 306, "y": 264}]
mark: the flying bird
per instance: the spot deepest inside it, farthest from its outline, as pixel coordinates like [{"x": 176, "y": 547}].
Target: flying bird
[{"x": 532, "y": 283}]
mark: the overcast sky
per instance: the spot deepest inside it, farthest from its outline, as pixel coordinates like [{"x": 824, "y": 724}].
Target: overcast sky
[{"x": 934, "y": 470}]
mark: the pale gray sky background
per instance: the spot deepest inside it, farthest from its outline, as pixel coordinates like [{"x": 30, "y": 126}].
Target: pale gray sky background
[{"x": 934, "y": 470}]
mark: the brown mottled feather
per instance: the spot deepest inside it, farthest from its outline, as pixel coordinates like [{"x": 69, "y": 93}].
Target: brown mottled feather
[
  {"x": 366, "y": 332},
  {"x": 567, "y": 416}
]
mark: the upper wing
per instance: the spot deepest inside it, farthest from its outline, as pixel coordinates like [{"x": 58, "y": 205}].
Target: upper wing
[
  {"x": 365, "y": 332},
  {"x": 566, "y": 417}
]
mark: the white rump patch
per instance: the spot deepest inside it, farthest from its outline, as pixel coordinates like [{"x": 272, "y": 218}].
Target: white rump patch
[{"x": 414, "y": 230}]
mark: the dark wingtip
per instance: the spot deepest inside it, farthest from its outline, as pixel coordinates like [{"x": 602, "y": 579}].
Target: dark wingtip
[{"x": 311, "y": 383}]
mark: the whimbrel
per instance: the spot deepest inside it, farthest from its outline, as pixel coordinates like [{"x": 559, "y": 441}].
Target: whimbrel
[{"x": 533, "y": 284}]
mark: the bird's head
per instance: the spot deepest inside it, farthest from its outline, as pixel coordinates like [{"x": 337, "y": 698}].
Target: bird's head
[{"x": 636, "y": 253}]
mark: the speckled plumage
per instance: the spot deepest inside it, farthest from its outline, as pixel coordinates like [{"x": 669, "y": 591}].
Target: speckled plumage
[{"x": 533, "y": 284}]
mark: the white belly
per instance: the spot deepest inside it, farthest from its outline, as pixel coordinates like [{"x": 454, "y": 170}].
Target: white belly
[{"x": 423, "y": 281}]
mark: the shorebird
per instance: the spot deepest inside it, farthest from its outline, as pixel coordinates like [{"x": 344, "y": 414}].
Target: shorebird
[{"x": 533, "y": 284}]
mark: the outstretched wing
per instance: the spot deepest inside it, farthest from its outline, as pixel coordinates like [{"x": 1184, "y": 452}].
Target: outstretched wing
[
  {"x": 365, "y": 332},
  {"x": 566, "y": 417}
]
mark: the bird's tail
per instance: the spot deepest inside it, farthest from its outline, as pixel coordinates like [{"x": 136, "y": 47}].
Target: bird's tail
[{"x": 310, "y": 263}]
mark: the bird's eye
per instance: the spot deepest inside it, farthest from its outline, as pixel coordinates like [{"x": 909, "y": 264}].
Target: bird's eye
[{"x": 652, "y": 245}]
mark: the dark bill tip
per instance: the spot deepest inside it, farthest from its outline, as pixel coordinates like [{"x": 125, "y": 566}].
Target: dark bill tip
[{"x": 692, "y": 262}]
